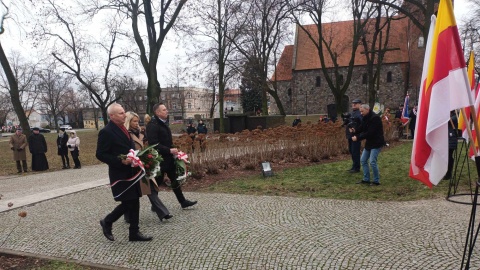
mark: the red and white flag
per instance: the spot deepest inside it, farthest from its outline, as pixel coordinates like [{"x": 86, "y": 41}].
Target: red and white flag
[{"x": 444, "y": 87}]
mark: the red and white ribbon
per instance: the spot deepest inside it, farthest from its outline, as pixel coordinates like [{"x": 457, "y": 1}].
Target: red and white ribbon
[
  {"x": 132, "y": 155},
  {"x": 136, "y": 162},
  {"x": 183, "y": 156}
]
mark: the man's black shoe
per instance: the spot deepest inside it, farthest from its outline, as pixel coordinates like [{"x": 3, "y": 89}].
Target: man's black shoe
[
  {"x": 188, "y": 203},
  {"x": 106, "y": 230},
  {"x": 375, "y": 184},
  {"x": 363, "y": 182},
  {"x": 350, "y": 170},
  {"x": 354, "y": 171},
  {"x": 139, "y": 237}
]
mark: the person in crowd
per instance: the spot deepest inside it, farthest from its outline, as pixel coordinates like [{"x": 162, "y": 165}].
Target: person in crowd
[
  {"x": 38, "y": 147},
  {"x": 146, "y": 119},
  {"x": 62, "y": 151},
  {"x": 191, "y": 129},
  {"x": 354, "y": 146},
  {"x": 452, "y": 143},
  {"x": 412, "y": 120},
  {"x": 296, "y": 121},
  {"x": 202, "y": 128},
  {"x": 386, "y": 117},
  {"x": 151, "y": 187},
  {"x": 398, "y": 113},
  {"x": 18, "y": 143},
  {"x": 159, "y": 133},
  {"x": 113, "y": 141},
  {"x": 371, "y": 130},
  {"x": 73, "y": 145}
]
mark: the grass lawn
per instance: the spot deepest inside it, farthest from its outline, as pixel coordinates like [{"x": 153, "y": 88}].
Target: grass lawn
[{"x": 331, "y": 180}]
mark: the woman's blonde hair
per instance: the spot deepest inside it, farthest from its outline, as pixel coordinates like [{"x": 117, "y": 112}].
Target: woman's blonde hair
[
  {"x": 146, "y": 119},
  {"x": 130, "y": 116}
]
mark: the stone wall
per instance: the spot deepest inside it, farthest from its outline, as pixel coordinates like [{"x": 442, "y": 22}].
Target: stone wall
[{"x": 307, "y": 98}]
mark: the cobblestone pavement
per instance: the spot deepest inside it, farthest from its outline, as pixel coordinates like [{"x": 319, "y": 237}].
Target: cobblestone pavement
[{"x": 234, "y": 231}]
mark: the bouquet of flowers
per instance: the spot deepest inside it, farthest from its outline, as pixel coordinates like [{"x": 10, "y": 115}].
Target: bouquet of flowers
[
  {"x": 181, "y": 161},
  {"x": 148, "y": 159}
]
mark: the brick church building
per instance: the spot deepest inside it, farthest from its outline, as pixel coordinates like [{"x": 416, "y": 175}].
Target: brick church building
[{"x": 301, "y": 83}]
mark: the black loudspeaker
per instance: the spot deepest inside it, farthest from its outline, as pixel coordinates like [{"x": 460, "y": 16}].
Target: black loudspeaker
[{"x": 332, "y": 111}]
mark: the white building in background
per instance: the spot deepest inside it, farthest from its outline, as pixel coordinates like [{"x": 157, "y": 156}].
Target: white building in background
[
  {"x": 35, "y": 119},
  {"x": 182, "y": 102}
]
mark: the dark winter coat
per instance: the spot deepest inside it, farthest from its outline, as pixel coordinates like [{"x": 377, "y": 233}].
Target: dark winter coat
[
  {"x": 452, "y": 132},
  {"x": 112, "y": 143},
  {"x": 62, "y": 145},
  {"x": 371, "y": 130},
  {"x": 202, "y": 128},
  {"x": 37, "y": 144},
  {"x": 38, "y": 148},
  {"x": 159, "y": 133}
]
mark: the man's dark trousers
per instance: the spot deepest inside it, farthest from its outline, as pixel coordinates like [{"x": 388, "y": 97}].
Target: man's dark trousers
[{"x": 354, "y": 149}]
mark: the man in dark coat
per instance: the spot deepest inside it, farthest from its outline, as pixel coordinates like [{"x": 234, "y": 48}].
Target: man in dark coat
[
  {"x": 452, "y": 143},
  {"x": 371, "y": 130},
  {"x": 38, "y": 147},
  {"x": 413, "y": 121},
  {"x": 113, "y": 141},
  {"x": 354, "y": 146},
  {"x": 159, "y": 133},
  {"x": 62, "y": 151}
]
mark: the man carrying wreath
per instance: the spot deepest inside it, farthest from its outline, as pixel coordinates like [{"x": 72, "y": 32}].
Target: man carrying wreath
[
  {"x": 159, "y": 133},
  {"x": 113, "y": 141}
]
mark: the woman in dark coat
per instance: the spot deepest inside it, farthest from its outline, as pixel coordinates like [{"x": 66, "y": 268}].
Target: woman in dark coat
[
  {"x": 38, "y": 148},
  {"x": 62, "y": 151}
]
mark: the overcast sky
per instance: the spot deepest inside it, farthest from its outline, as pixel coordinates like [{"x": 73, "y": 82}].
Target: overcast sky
[{"x": 13, "y": 38}]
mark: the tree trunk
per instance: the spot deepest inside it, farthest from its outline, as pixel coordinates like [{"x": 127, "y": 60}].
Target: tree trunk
[{"x": 14, "y": 93}]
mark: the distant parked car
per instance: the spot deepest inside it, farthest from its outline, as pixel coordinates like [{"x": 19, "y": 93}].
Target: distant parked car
[
  {"x": 67, "y": 127},
  {"x": 42, "y": 130}
]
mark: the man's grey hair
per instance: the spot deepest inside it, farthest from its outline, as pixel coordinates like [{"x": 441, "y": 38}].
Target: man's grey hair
[
  {"x": 365, "y": 106},
  {"x": 111, "y": 106}
]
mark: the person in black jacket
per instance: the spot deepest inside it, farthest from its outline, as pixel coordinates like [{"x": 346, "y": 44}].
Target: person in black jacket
[
  {"x": 354, "y": 146},
  {"x": 371, "y": 130},
  {"x": 113, "y": 141},
  {"x": 159, "y": 133},
  {"x": 38, "y": 147},
  {"x": 452, "y": 143},
  {"x": 62, "y": 151},
  {"x": 413, "y": 121}
]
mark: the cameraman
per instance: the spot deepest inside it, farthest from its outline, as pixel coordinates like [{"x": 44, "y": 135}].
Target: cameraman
[
  {"x": 353, "y": 121},
  {"x": 371, "y": 130}
]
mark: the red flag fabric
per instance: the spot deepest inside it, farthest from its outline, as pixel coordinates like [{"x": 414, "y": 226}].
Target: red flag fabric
[{"x": 444, "y": 88}]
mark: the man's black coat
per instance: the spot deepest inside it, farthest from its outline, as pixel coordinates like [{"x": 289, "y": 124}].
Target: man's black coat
[
  {"x": 159, "y": 133},
  {"x": 112, "y": 143}
]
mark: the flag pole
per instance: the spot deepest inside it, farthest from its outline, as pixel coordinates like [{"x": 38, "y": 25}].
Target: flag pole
[
  {"x": 471, "y": 239},
  {"x": 469, "y": 129}
]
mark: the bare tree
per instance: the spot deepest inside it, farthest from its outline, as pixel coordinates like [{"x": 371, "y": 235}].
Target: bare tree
[
  {"x": 375, "y": 38},
  {"x": 266, "y": 27},
  {"x": 76, "y": 54},
  {"x": 53, "y": 88},
  {"x": 177, "y": 75},
  {"x": 158, "y": 18},
  {"x": 130, "y": 90},
  {"x": 322, "y": 36},
  {"x": 25, "y": 74},
  {"x": 13, "y": 88},
  {"x": 220, "y": 27},
  {"x": 419, "y": 12}
]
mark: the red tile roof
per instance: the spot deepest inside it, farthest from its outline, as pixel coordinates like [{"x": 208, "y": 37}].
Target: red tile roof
[
  {"x": 284, "y": 66},
  {"x": 304, "y": 56}
]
